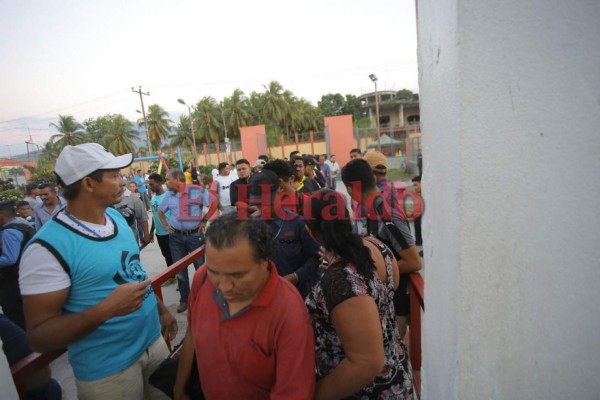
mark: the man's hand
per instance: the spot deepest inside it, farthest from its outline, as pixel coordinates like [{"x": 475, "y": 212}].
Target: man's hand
[
  {"x": 292, "y": 278},
  {"x": 169, "y": 228},
  {"x": 168, "y": 324},
  {"x": 147, "y": 239},
  {"x": 125, "y": 299},
  {"x": 152, "y": 237},
  {"x": 202, "y": 227}
]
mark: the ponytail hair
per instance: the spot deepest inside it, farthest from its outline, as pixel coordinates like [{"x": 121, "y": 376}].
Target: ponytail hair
[{"x": 329, "y": 219}]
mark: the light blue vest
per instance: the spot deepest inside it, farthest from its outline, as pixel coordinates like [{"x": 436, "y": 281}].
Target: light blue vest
[{"x": 96, "y": 266}]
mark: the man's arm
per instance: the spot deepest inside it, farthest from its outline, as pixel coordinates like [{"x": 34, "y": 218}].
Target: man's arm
[
  {"x": 410, "y": 261},
  {"x": 310, "y": 249},
  {"x": 168, "y": 323},
  {"x": 141, "y": 217},
  {"x": 295, "y": 358},
  {"x": 36, "y": 218},
  {"x": 48, "y": 329},
  {"x": 233, "y": 194},
  {"x": 184, "y": 369},
  {"x": 163, "y": 220}
]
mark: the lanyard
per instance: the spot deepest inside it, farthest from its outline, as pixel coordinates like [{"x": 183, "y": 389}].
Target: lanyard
[{"x": 76, "y": 221}]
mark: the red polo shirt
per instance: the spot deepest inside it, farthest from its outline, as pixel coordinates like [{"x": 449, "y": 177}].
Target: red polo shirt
[{"x": 266, "y": 351}]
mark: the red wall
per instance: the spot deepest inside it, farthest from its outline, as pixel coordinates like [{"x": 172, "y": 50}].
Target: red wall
[
  {"x": 341, "y": 137},
  {"x": 254, "y": 142}
]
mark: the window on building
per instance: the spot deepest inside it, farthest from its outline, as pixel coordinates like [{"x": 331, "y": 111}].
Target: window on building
[
  {"x": 384, "y": 120},
  {"x": 413, "y": 119}
]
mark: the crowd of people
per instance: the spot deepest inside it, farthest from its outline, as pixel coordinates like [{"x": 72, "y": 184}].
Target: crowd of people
[{"x": 299, "y": 295}]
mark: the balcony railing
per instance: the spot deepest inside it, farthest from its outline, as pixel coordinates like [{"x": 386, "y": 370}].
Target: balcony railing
[{"x": 35, "y": 361}]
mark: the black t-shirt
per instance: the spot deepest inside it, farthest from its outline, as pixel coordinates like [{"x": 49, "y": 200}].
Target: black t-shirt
[{"x": 233, "y": 190}]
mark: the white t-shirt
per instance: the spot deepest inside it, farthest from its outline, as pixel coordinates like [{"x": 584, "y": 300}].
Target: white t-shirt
[
  {"x": 41, "y": 272},
  {"x": 214, "y": 173},
  {"x": 224, "y": 183}
]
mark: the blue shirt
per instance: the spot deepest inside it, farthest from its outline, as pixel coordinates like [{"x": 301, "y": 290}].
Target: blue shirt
[
  {"x": 294, "y": 251},
  {"x": 41, "y": 214},
  {"x": 138, "y": 180},
  {"x": 96, "y": 267},
  {"x": 158, "y": 226},
  {"x": 185, "y": 207},
  {"x": 11, "y": 243}
]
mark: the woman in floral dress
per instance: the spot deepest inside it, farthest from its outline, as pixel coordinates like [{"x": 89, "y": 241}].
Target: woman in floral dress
[{"x": 359, "y": 352}]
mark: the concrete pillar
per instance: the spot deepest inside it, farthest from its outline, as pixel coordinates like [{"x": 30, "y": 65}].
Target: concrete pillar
[{"x": 510, "y": 110}]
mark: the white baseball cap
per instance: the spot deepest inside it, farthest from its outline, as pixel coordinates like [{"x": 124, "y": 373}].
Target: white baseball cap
[{"x": 76, "y": 162}]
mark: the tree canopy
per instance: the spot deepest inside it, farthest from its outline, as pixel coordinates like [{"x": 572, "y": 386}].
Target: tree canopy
[{"x": 279, "y": 109}]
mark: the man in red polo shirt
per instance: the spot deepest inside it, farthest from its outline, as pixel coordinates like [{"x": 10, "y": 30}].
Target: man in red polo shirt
[{"x": 248, "y": 326}]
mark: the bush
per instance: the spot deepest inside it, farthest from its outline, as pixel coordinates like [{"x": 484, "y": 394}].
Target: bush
[{"x": 11, "y": 194}]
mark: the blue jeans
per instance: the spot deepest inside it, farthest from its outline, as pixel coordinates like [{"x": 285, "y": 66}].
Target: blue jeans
[{"x": 181, "y": 246}]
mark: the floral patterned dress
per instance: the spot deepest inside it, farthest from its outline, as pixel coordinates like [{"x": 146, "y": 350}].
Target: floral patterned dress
[{"x": 340, "y": 282}]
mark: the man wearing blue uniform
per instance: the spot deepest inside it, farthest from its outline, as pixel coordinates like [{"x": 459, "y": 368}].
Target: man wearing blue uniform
[
  {"x": 185, "y": 224},
  {"x": 84, "y": 288}
]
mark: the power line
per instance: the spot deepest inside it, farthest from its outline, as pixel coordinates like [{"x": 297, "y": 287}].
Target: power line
[{"x": 63, "y": 108}]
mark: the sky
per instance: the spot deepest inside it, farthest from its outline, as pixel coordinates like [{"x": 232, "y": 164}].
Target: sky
[{"x": 82, "y": 58}]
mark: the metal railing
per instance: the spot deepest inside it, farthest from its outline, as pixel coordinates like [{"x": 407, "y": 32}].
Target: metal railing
[{"x": 36, "y": 361}]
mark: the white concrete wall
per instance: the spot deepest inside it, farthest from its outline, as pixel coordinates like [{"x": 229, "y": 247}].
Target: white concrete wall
[{"x": 510, "y": 111}]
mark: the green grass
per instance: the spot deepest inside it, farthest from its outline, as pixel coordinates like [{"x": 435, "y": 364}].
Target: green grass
[{"x": 398, "y": 174}]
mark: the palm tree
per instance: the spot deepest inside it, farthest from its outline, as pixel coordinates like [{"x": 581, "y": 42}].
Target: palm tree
[
  {"x": 275, "y": 105},
  {"x": 121, "y": 135},
  {"x": 48, "y": 155},
  {"x": 207, "y": 117},
  {"x": 183, "y": 135},
  {"x": 71, "y": 132},
  {"x": 236, "y": 109},
  {"x": 159, "y": 125},
  {"x": 307, "y": 117},
  {"x": 255, "y": 105}
]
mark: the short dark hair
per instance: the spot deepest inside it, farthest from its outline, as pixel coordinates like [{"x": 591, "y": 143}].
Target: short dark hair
[
  {"x": 156, "y": 177},
  {"x": 46, "y": 186},
  {"x": 7, "y": 208},
  {"x": 22, "y": 203},
  {"x": 70, "y": 192},
  {"x": 282, "y": 169},
  {"x": 138, "y": 170},
  {"x": 177, "y": 174},
  {"x": 356, "y": 151},
  {"x": 242, "y": 161},
  {"x": 293, "y": 153},
  {"x": 358, "y": 170},
  {"x": 227, "y": 231},
  {"x": 264, "y": 157},
  {"x": 308, "y": 160},
  {"x": 417, "y": 178},
  {"x": 30, "y": 187},
  {"x": 298, "y": 157},
  {"x": 222, "y": 166}
]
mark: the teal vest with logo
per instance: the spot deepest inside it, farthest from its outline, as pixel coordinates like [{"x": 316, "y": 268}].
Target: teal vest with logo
[{"x": 96, "y": 267}]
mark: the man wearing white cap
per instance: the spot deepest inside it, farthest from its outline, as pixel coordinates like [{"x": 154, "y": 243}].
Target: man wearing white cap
[{"x": 84, "y": 288}]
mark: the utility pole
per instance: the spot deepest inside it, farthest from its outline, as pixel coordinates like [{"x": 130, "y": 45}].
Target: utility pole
[
  {"x": 139, "y": 91},
  {"x": 27, "y": 143},
  {"x": 374, "y": 80}
]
